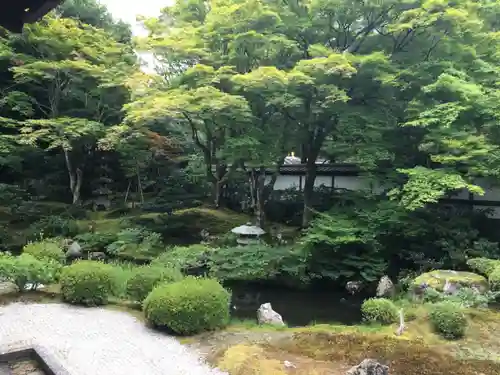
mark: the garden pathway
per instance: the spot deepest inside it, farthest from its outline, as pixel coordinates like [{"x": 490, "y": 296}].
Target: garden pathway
[{"x": 98, "y": 341}]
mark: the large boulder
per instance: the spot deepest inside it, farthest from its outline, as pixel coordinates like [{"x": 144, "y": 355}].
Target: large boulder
[
  {"x": 385, "y": 287},
  {"x": 369, "y": 367},
  {"x": 456, "y": 280},
  {"x": 266, "y": 315}
]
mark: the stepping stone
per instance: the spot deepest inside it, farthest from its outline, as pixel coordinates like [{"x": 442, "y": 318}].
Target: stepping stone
[{"x": 5, "y": 369}]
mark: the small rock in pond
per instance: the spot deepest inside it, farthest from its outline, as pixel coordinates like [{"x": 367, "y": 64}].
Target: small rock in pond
[
  {"x": 266, "y": 315},
  {"x": 369, "y": 367},
  {"x": 385, "y": 287}
]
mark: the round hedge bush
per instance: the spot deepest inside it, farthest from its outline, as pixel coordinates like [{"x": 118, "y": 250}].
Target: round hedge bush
[
  {"x": 189, "y": 306},
  {"x": 45, "y": 250},
  {"x": 145, "y": 278},
  {"x": 87, "y": 282},
  {"x": 379, "y": 310},
  {"x": 448, "y": 319}
]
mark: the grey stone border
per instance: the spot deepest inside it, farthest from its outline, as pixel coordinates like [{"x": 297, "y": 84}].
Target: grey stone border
[{"x": 45, "y": 360}]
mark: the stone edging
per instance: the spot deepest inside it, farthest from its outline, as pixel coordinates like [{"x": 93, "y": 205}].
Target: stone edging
[{"x": 46, "y": 361}]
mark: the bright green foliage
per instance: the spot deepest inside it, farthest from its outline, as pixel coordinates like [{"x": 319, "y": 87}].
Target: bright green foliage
[
  {"x": 494, "y": 279},
  {"x": 428, "y": 186},
  {"x": 144, "y": 279},
  {"x": 87, "y": 283},
  {"x": 483, "y": 266},
  {"x": 379, "y": 310},
  {"x": 187, "y": 307},
  {"x": 448, "y": 319},
  {"x": 26, "y": 269},
  {"x": 45, "y": 250}
]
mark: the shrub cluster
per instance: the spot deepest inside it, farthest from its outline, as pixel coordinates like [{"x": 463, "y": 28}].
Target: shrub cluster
[
  {"x": 45, "y": 250},
  {"x": 189, "y": 306},
  {"x": 145, "y": 278},
  {"x": 379, "y": 310},
  {"x": 88, "y": 283},
  {"x": 26, "y": 269},
  {"x": 483, "y": 266},
  {"x": 448, "y": 319}
]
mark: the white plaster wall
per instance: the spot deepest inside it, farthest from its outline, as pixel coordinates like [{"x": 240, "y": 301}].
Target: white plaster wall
[
  {"x": 352, "y": 183},
  {"x": 322, "y": 180},
  {"x": 491, "y": 192},
  {"x": 285, "y": 182}
]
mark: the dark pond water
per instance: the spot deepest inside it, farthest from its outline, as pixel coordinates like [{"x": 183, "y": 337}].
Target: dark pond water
[{"x": 297, "y": 307}]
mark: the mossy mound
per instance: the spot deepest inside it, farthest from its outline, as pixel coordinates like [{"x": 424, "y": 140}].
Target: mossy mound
[
  {"x": 437, "y": 279},
  {"x": 403, "y": 356}
]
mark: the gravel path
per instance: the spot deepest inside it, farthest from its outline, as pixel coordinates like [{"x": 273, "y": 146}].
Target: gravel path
[{"x": 98, "y": 341}]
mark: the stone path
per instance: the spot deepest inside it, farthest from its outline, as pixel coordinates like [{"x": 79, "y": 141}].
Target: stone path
[{"x": 98, "y": 341}]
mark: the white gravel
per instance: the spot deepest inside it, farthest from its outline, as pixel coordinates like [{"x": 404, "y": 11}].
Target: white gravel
[{"x": 98, "y": 341}]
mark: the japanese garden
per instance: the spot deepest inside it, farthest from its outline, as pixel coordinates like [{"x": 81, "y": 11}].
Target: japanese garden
[{"x": 306, "y": 187}]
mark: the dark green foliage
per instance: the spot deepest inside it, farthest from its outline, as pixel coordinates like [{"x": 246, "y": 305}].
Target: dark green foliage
[
  {"x": 189, "y": 306},
  {"x": 448, "y": 319},
  {"x": 379, "y": 310},
  {"x": 184, "y": 227},
  {"x": 483, "y": 266},
  {"x": 372, "y": 237},
  {"x": 258, "y": 262},
  {"x": 54, "y": 226},
  {"x": 45, "y": 250},
  {"x": 87, "y": 283},
  {"x": 192, "y": 259},
  {"x": 145, "y": 278},
  {"x": 26, "y": 269},
  {"x": 245, "y": 263},
  {"x": 97, "y": 241},
  {"x": 136, "y": 244}
]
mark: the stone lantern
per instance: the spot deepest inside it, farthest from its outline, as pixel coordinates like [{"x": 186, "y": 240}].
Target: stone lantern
[{"x": 248, "y": 234}]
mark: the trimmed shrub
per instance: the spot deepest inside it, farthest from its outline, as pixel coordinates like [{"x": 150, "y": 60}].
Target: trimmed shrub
[
  {"x": 45, "y": 250},
  {"x": 379, "y": 310},
  {"x": 484, "y": 266},
  {"x": 189, "y": 306},
  {"x": 145, "y": 278},
  {"x": 494, "y": 279},
  {"x": 87, "y": 283},
  {"x": 26, "y": 269},
  {"x": 448, "y": 319}
]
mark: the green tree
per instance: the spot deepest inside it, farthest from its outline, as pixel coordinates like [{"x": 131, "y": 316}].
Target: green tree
[{"x": 74, "y": 83}]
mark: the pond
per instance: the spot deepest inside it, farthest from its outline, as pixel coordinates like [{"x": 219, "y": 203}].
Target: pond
[{"x": 297, "y": 307}]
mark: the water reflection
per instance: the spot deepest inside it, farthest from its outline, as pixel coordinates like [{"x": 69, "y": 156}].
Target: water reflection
[{"x": 298, "y": 307}]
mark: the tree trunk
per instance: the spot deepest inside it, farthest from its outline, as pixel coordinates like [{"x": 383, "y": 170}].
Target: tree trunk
[
  {"x": 307, "y": 213},
  {"x": 75, "y": 177},
  {"x": 139, "y": 185}
]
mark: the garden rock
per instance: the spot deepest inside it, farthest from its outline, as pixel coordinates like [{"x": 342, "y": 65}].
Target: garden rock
[
  {"x": 97, "y": 255},
  {"x": 369, "y": 367},
  {"x": 452, "y": 279},
  {"x": 74, "y": 251},
  {"x": 266, "y": 315},
  {"x": 353, "y": 287},
  {"x": 385, "y": 287}
]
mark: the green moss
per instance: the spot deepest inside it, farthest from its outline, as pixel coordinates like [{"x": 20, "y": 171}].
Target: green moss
[{"x": 437, "y": 279}]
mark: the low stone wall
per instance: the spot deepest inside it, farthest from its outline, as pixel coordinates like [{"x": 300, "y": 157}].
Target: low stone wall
[{"x": 25, "y": 350}]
